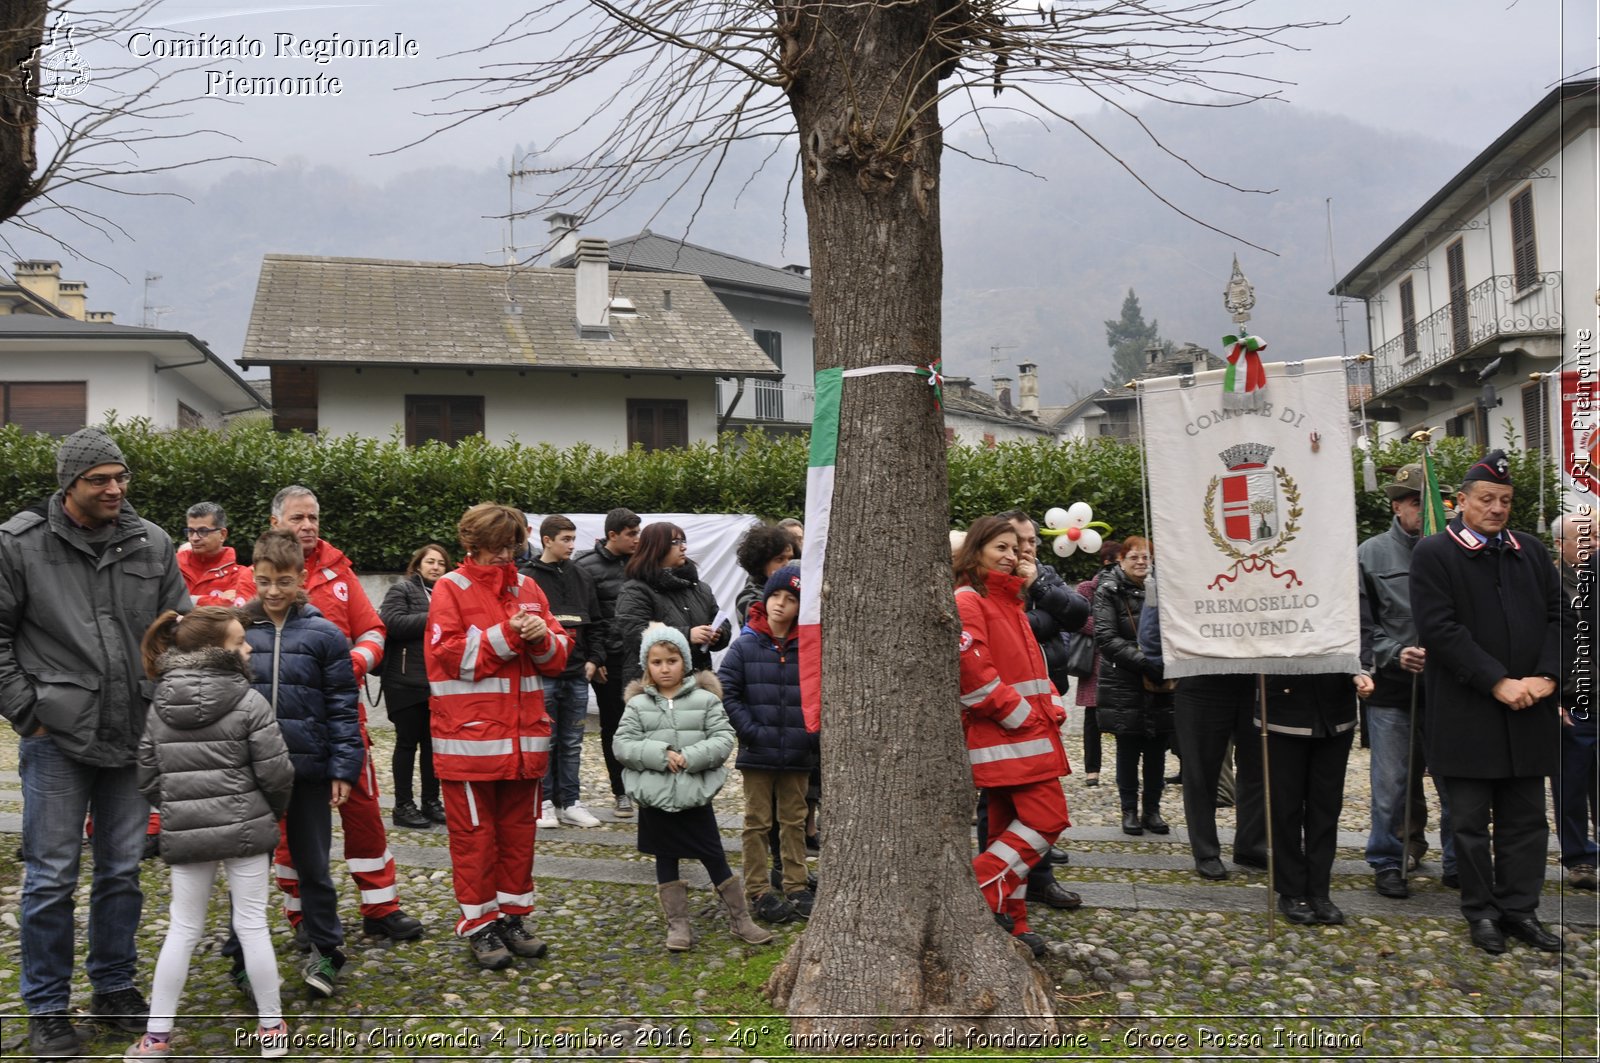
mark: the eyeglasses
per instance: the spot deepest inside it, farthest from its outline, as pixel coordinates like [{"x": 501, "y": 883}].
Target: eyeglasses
[
  {"x": 200, "y": 533},
  {"x": 103, "y": 479},
  {"x": 680, "y": 542},
  {"x": 282, "y": 583}
]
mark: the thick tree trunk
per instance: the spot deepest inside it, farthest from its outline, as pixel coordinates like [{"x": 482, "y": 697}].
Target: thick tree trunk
[
  {"x": 901, "y": 939},
  {"x": 21, "y": 33}
]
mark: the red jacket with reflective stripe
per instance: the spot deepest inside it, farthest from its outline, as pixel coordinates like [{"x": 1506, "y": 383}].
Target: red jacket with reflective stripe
[
  {"x": 218, "y": 579},
  {"x": 487, "y": 694},
  {"x": 333, "y": 588},
  {"x": 1011, "y": 714}
]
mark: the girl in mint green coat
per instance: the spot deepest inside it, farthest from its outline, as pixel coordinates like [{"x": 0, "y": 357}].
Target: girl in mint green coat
[{"x": 673, "y": 742}]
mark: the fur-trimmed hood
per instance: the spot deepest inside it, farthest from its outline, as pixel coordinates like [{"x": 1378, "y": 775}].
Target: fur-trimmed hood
[
  {"x": 704, "y": 680},
  {"x": 199, "y": 687}
]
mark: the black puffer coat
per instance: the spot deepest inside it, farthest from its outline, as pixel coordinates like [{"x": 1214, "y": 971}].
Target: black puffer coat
[
  {"x": 405, "y": 615},
  {"x": 1054, "y": 611},
  {"x": 212, "y": 760},
  {"x": 672, "y": 596},
  {"x": 303, "y": 670},
  {"x": 1125, "y": 708},
  {"x": 605, "y": 570}
]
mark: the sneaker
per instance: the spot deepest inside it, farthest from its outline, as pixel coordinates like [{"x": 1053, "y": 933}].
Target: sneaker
[
  {"x": 434, "y": 810},
  {"x": 575, "y": 815},
  {"x": 274, "y": 1040},
  {"x": 123, "y": 1008},
  {"x": 52, "y": 1034},
  {"x": 407, "y": 814},
  {"x": 489, "y": 949},
  {"x": 622, "y": 807},
  {"x": 518, "y": 940},
  {"x": 1582, "y": 877},
  {"x": 150, "y": 1046},
  {"x": 320, "y": 973},
  {"x": 773, "y": 907},
  {"x": 396, "y": 926},
  {"x": 547, "y": 817},
  {"x": 802, "y": 901}
]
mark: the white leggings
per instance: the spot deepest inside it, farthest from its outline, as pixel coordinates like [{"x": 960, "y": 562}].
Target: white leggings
[{"x": 191, "y": 894}]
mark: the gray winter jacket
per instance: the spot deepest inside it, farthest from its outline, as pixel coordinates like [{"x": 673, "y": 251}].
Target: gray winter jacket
[
  {"x": 212, "y": 760},
  {"x": 1384, "y": 562},
  {"x": 694, "y": 723},
  {"x": 71, "y": 619}
]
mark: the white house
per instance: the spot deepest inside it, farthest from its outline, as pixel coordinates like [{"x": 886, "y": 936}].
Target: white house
[
  {"x": 63, "y": 366},
  {"x": 1491, "y": 280},
  {"x": 771, "y": 303},
  {"x": 543, "y": 355},
  {"x": 978, "y": 418}
]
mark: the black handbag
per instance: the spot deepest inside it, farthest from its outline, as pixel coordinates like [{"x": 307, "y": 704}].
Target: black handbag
[{"x": 1080, "y": 656}]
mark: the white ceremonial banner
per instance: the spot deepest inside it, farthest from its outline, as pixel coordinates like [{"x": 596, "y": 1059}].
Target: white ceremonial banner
[{"x": 1253, "y": 514}]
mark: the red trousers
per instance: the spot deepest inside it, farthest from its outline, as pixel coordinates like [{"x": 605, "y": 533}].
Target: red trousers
[
  {"x": 366, "y": 850},
  {"x": 492, "y": 827},
  {"x": 1024, "y": 821}
]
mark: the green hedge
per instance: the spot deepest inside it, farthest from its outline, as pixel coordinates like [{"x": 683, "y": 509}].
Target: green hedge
[{"x": 381, "y": 499}]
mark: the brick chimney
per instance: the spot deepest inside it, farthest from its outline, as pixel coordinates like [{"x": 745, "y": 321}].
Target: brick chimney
[
  {"x": 593, "y": 273},
  {"x": 1002, "y": 391},
  {"x": 563, "y": 234},
  {"x": 42, "y": 277},
  {"x": 1028, "y": 390}
]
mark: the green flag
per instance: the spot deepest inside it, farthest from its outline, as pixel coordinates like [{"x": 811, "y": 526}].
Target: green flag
[{"x": 1433, "y": 515}]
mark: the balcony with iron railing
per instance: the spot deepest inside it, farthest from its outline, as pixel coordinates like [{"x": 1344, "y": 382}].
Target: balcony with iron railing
[
  {"x": 768, "y": 401},
  {"x": 1496, "y": 307}
]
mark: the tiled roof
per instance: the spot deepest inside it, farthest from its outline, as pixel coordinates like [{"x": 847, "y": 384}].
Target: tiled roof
[
  {"x": 371, "y": 311},
  {"x": 960, "y": 397},
  {"x": 649, "y": 251}
]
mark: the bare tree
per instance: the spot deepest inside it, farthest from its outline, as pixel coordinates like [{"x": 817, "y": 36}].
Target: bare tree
[
  {"x": 900, "y": 939},
  {"x": 80, "y": 110}
]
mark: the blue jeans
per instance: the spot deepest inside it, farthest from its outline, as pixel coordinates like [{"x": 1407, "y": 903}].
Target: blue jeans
[
  {"x": 57, "y": 791},
  {"x": 567, "y": 702},
  {"x": 1388, "y": 730}
]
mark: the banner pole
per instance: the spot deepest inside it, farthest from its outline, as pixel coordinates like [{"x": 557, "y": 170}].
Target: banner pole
[{"x": 1266, "y": 804}]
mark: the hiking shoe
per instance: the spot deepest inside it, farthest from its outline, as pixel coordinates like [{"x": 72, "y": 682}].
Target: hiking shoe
[
  {"x": 518, "y": 940},
  {"x": 1035, "y": 943},
  {"x": 1582, "y": 877},
  {"x": 320, "y": 973},
  {"x": 802, "y": 901},
  {"x": 489, "y": 949},
  {"x": 396, "y": 926},
  {"x": 52, "y": 1034},
  {"x": 407, "y": 814},
  {"x": 575, "y": 815},
  {"x": 123, "y": 1008},
  {"x": 773, "y": 907},
  {"x": 622, "y": 806},
  {"x": 150, "y": 1046},
  {"x": 434, "y": 810},
  {"x": 274, "y": 1040},
  {"x": 547, "y": 816}
]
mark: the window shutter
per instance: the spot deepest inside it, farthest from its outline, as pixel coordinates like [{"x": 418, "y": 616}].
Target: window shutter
[
  {"x": 56, "y": 409},
  {"x": 1456, "y": 269},
  {"x": 1535, "y": 429},
  {"x": 425, "y": 419},
  {"x": 1524, "y": 251},
  {"x": 466, "y": 417},
  {"x": 1408, "y": 316},
  {"x": 294, "y": 398},
  {"x": 674, "y": 423},
  {"x": 658, "y": 423}
]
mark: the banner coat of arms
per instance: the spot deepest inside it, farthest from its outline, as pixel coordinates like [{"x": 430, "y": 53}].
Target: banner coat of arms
[{"x": 1253, "y": 515}]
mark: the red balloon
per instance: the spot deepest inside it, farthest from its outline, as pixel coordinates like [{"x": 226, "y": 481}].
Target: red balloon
[{"x": 1073, "y": 533}]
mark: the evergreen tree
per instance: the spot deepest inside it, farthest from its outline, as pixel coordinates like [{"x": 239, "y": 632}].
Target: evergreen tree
[{"x": 1128, "y": 337}]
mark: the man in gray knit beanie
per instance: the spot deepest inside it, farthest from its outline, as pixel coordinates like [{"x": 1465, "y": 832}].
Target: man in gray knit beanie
[{"x": 82, "y": 451}]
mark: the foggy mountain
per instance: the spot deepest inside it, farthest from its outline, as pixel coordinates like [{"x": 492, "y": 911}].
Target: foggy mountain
[{"x": 1033, "y": 265}]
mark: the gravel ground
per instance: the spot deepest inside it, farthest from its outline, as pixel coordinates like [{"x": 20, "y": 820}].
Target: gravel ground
[{"x": 1196, "y": 977}]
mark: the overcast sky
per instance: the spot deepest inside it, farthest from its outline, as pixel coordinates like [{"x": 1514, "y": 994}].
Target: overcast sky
[{"x": 1457, "y": 70}]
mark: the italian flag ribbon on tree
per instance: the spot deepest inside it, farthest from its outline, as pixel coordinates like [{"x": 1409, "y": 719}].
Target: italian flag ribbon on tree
[
  {"x": 1248, "y": 350},
  {"x": 819, "y": 513}
]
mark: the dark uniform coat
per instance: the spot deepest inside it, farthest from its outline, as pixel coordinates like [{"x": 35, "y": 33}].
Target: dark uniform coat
[{"x": 1483, "y": 614}]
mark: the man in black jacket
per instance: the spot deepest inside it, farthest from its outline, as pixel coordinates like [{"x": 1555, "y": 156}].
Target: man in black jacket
[
  {"x": 573, "y": 602},
  {"x": 1487, "y": 603},
  {"x": 604, "y": 564}
]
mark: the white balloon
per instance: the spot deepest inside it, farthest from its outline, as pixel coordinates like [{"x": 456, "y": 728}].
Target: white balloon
[
  {"x": 1079, "y": 514},
  {"x": 1055, "y": 517},
  {"x": 1063, "y": 546},
  {"x": 1089, "y": 541}
]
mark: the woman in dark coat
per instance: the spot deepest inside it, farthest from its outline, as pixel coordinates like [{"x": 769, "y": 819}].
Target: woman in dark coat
[
  {"x": 664, "y": 587},
  {"x": 1087, "y": 696},
  {"x": 1140, "y": 720},
  {"x": 405, "y": 684}
]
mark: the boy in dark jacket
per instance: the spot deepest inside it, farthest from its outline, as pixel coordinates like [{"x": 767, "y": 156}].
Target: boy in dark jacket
[
  {"x": 761, "y": 691},
  {"x": 566, "y": 698},
  {"x": 301, "y": 664}
]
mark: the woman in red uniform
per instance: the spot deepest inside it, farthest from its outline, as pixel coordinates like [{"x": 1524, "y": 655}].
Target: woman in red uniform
[
  {"x": 490, "y": 638},
  {"x": 1012, "y": 717}
]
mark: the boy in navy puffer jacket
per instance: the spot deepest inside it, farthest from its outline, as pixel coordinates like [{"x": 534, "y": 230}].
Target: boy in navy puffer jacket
[
  {"x": 761, "y": 690},
  {"x": 301, "y": 664}
]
